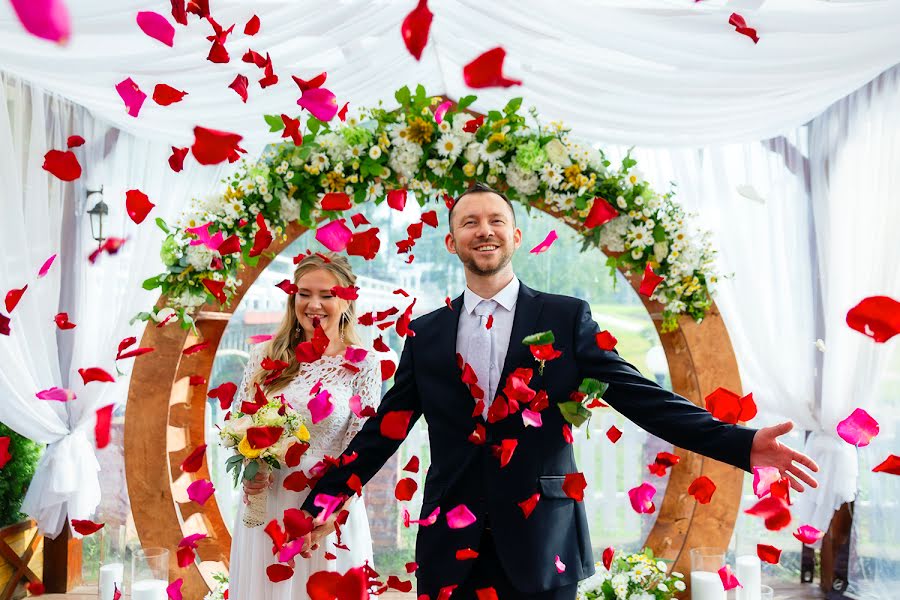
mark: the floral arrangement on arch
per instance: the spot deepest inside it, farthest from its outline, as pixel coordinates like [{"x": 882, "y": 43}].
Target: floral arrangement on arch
[
  {"x": 434, "y": 149},
  {"x": 624, "y": 576}
]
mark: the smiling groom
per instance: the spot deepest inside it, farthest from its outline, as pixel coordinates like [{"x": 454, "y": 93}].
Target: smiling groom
[{"x": 505, "y": 520}]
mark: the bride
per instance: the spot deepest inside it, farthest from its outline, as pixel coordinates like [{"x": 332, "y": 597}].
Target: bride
[{"x": 313, "y": 303}]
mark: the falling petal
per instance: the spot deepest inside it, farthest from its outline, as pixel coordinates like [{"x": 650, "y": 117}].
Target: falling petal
[
  {"x": 613, "y": 433},
  {"x": 528, "y": 504},
  {"x": 13, "y": 297},
  {"x": 252, "y": 26},
  {"x": 336, "y": 201},
  {"x": 102, "y": 425},
  {"x": 5, "y": 456},
  {"x": 212, "y": 147},
  {"x": 176, "y": 160},
  {"x": 774, "y": 510},
  {"x": 858, "y": 429},
  {"x": 239, "y": 85},
  {"x": 729, "y": 581},
  {"x": 173, "y": 590},
  {"x": 85, "y": 527},
  {"x": 608, "y": 555},
  {"x": 702, "y": 489},
  {"x": 321, "y": 102},
  {"x": 601, "y": 212},
  {"x": 441, "y": 110},
  {"x": 74, "y": 141},
  {"x": 56, "y": 393},
  {"x": 728, "y": 407},
  {"x": 335, "y": 235},
  {"x": 95, "y": 374},
  {"x": 606, "y": 340},
  {"x": 769, "y": 554},
  {"x": 131, "y": 95},
  {"x": 641, "y": 498},
  {"x": 574, "y": 485},
  {"x": 46, "y": 19},
  {"x": 164, "y": 95},
  {"x": 138, "y": 205},
  {"x": 46, "y": 266},
  {"x": 278, "y": 572},
  {"x": 414, "y": 29},
  {"x": 531, "y": 418},
  {"x": 820, "y": 345},
  {"x": 194, "y": 460},
  {"x": 395, "y": 424},
  {"x": 649, "y": 282},
  {"x": 396, "y": 199},
  {"x": 63, "y": 165},
  {"x": 740, "y": 25},
  {"x": 487, "y": 70},
  {"x": 749, "y": 192},
  {"x": 808, "y": 534},
  {"x": 405, "y": 489},
  {"x": 200, "y": 490},
  {"x": 156, "y": 26},
  {"x": 560, "y": 565},
  {"x": 320, "y": 406},
  {"x": 460, "y": 517},
  {"x": 763, "y": 478},
  {"x": 545, "y": 245},
  {"x": 890, "y": 465},
  {"x": 877, "y": 317}
]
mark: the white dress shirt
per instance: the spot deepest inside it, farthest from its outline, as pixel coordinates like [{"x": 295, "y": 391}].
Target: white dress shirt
[{"x": 501, "y": 329}]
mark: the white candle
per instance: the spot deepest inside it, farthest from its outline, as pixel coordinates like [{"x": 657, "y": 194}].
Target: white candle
[
  {"x": 749, "y": 573},
  {"x": 149, "y": 589},
  {"x": 706, "y": 585},
  {"x": 111, "y": 576}
]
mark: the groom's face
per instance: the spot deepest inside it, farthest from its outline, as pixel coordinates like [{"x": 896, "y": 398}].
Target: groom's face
[{"x": 483, "y": 233}]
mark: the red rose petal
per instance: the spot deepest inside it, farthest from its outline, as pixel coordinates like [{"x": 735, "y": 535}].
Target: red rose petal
[
  {"x": 486, "y": 70},
  {"x": 4, "y": 451},
  {"x": 702, "y": 489},
  {"x": 74, "y": 141},
  {"x": 877, "y": 317},
  {"x": 858, "y": 429},
  {"x": 63, "y": 165},
  {"x": 415, "y": 27},
  {"x": 85, "y": 527},
  {"x": 574, "y": 486},
  {"x": 774, "y": 510},
  {"x": 164, "y": 95},
  {"x": 364, "y": 243},
  {"x": 740, "y": 25},
  {"x": 649, "y": 282},
  {"x": 394, "y": 424},
  {"x": 13, "y": 297},
  {"x": 808, "y": 534},
  {"x": 606, "y": 340},
  {"x": 239, "y": 85},
  {"x": 396, "y": 199},
  {"x": 608, "y": 555},
  {"x": 890, "y": 465},
  {"x": 460, "y": 517},
  {"x": 95, "y": 374},
  {"x": 138, "y": 205},
  {"x": 729, "y": 581},
  {"x": 279, "y": 572},
  {"x": 176, "y": 160},
  {"x": 194, "y": 460},
  {"x": 252, "y": 26},
  {"x": 529, "y": 503},
  {"x": 200, "y": 490},
  {"x": 212, "y": 147},
  {"x": 769, "y": 554},
  {"x": 131, "y": 95},
  {"x": 601, "y": 212}
]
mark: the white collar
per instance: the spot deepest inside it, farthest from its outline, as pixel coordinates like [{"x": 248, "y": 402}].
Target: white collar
[{"x": 506, "y": 297}]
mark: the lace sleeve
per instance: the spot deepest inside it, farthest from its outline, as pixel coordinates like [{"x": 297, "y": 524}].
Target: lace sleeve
[
  {"x": 366, "y": 383},
  {"x": 245, "y": 389}
]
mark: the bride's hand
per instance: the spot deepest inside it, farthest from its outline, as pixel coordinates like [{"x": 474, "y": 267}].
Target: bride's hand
[{"x": 257, "y": 484}]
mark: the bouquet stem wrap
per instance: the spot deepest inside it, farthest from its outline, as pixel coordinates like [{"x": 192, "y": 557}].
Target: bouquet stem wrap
[{"x": 255, "y": 513}]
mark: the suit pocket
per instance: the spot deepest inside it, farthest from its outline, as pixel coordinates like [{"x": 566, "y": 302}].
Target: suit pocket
[{"x": 551, "y": 486}]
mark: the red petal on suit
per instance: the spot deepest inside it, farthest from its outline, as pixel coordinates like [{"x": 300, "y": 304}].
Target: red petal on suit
[
  {"x": 279, "y": 572},
  {"x": 102, "y": 424},
  {"x": 740, "y": 25},
  {"x": 544, "y": 352},
  {"x": 529, "y": 503},
  {"x": 608, "y": 555},
  {"x": 877, "y": 317},
  {"x": 499, "y": 410},
  {"x": 769, "y": 554},
  {"x": 574, "y": 486},
  {"x": 774, "y": 510},
  {"x": 95, "y": 374},
  {"x": 405, "y": 489},
  {"x": 164, "y": 94},
  {"x": 890, "y": 465},
  {"x": 62, "y": 321},
  {"x": 702, "y": 489},
  {"x": 239, "y": 85},
  {"x": 729, "y": 581},
  {"x": 85, "y": 527},
  {"x": 156, "y": 26},
  {"x": 355, "y": 484},
  {"x": 388, "y": 368},
  {"x": 567, "y": 433},
  {"x": 560, "y": 565},
  {"x": 138, "y": 205},
  {"x": 460, "y": 517},
  {"x": 606, "y": 340},
  {"x": 479, "y": 435},
  {"x": 13, "y": 297},
  {"x": 641, "y": 498},
  {"x": 63, "y": 165},
  {"x": 396, "y": 199},
  {"x": 415, "y": 27},
  {"x": 395, "y": 424},
  {"x": 131, "y": 95},
  {"x": 252, "y": 26},
  {"x": 411, "y": 567},
  {"x": 466, "y": 554},
  {"x": 505, "y": 451},
  {"x": 212, "y": 146},
  {"x": 194, "y": 460},
  {"x": 649, "y": 282},
  {"x": 487, "y": 70}
]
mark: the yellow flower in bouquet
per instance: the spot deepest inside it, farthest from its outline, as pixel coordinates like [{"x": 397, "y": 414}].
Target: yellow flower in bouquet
[
  {"x": 302, "y": 433},
  {"x": 245, "y": 449}
]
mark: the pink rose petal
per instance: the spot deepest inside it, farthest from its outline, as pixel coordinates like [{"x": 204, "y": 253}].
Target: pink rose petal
[
  {"x": 763, "y": 478},
  {"x": 132, "y": 96},
  {"x": 460, "y": 517},
  {"x": 545, "y": 245},
  {"x": 200, "y": 490},
  {"x": 156, "y": 26},
  {"x": 858, "y": 429},
  {"x": 174, "y": 589},
  {"x": 441, "y": 110},
  {"x": 355, "y": 355},
  {"x": 290, "y": 550},
  {"x": 56, "y": 393},
  {"x": 259, "y": 339},
  {"x": 46, "y": 266},
  {"x": 808, "y": 534},
  {"x": 642, "y": 498},
  {"x": 321, "y": 102},
  {"x": 560, "y": 565},
  {"x": 531, "y": 418},
  {"x": 335, "y": 235},
  {"x": 203, "y": 236},
  {"x": 320, "y": 406},
  {"x": 328, "y": 504},
  {"x": 729, "y": 581},
  {"x": 190, "y": 541},
  {"x": 46, "y": 19}
]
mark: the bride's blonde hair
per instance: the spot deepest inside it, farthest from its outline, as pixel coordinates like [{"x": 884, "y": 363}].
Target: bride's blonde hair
[{"x": 289, "y": 334}]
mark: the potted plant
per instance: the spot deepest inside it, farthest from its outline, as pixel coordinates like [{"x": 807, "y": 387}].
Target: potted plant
[{"x": 18, "y": 533}]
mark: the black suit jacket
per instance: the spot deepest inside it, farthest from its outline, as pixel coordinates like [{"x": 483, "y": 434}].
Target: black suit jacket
[{"x": 428, "y": 382}]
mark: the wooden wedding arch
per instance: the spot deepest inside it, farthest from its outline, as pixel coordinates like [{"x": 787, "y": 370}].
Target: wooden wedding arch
[{"x": 165, "y": 421}]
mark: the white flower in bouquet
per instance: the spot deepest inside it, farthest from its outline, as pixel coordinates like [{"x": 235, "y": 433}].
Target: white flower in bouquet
[
  {"x": 551, "y": 175},
  {"x": 238, "y": 425},
  {"x": 449, "y": 145},
  {"x": 319, "y": 161},
  {"x": 632, "y": 178},
  {"x": 374, "y": 191},
  {"x": 557, "y": 153},
  {"x": 524, "y": 183},
  {"x": 660, "y": 251},
  {"x": 375, "y": 152},
  {"x": 473, "y": 152},
  {"x": 679, "y": 585},
  {"x": 639, "y": 236},
  {"x": 289, "y": 210},
  {"x": 199, "y": 257}
]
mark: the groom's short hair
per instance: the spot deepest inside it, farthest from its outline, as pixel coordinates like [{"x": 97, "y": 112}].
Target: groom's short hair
[{"x": 479, "y": 187}]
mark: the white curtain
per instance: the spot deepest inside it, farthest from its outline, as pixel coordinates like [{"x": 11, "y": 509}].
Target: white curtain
[
  {"x": 647, "y": 72},
  {"x": 43, "y": 216}
]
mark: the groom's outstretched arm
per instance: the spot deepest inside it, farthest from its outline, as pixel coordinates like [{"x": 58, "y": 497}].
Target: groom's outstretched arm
[
  {"x": 371, "y": 447},
  {"x": 660, "y": 412}
]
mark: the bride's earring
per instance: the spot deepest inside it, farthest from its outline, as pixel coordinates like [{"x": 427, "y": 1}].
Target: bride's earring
[{"x": 344, "y": 318}]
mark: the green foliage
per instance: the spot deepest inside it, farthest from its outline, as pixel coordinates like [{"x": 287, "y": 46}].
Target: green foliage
[{"x": 16, "y": 475}]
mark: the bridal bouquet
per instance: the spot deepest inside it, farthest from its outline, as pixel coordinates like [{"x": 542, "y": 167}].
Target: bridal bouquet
[
  {"x": 265, "y": 435},
  {"x": 623, "y": 576}
]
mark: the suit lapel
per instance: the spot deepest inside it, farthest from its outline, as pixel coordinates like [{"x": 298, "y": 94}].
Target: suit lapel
[
  {"x": 528, "y": 310},
  {"x": 448, "y": 326}
]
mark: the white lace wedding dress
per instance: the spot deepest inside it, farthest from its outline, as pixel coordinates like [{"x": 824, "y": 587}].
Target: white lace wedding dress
[{"x": 251, "y": 549}]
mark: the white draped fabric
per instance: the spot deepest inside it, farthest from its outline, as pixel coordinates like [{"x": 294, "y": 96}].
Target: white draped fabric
[
  {"x": 44, "y": 216},
  {"x": 645, "y": 72}
]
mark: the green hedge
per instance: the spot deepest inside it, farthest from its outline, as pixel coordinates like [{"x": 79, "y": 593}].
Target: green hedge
[{"x": 16, "y": 475}]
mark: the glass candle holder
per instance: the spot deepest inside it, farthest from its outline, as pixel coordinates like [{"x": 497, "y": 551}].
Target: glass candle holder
[
  {"x": 747, "y": 567},
  {"x": 112, "y": 561},
  {"x": 149, "y": 574},
  {"x": 705, "y": 581}
]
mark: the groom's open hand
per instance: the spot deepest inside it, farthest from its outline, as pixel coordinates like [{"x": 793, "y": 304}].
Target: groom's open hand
[{"x": 767, "y": 451}]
